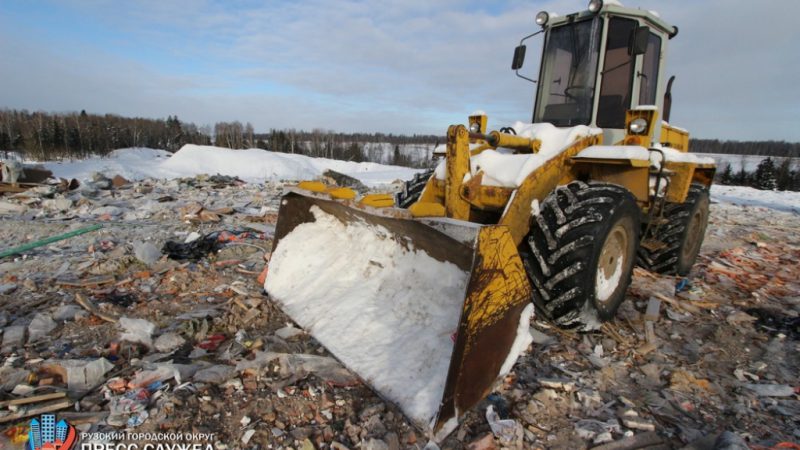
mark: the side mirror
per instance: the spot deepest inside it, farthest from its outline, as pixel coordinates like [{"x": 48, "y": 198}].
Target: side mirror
[
  {"x": 638, "y": 42},
  {"x": 519, "y": 57}
]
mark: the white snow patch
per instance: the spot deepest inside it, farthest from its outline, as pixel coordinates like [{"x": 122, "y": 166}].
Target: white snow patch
[
  {"x": 478, "y": 112},
  {"x": 508, "y": 170},
  {"x": 672, "y": 155},
  {"x": 615, "y": 152},
  {"x": 605, "y": 286},
  {"x": 646, "y": 108},
  {"x": 252, "y": 165},
  {"x": 747, "y": 196},
  {"x": 521, "y": 342},
  {"x": 535, "y": 209},
  {"x": 388, "y": 313},
  {"x": 748, "y": 162},
  {"x": 447, "y": 428}
]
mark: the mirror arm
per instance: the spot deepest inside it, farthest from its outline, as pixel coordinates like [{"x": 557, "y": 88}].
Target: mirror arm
[{"x": 520, "y": 43}]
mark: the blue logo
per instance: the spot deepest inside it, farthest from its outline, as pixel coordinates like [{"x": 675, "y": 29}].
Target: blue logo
[{"x": 46, "y": 434}]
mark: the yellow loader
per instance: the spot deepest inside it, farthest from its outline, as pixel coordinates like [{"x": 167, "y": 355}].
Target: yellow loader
[{"x": 428, "y": 297}]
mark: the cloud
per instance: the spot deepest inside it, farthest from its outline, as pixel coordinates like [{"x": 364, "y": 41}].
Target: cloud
[{"x": 402, "y": 67}]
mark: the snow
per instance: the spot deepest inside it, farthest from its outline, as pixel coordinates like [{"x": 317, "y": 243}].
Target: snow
[
  {"x": 749, "y": 162},
  {"x": 615, "y": 152},
  {"x": 252, "y": 165},
  {"x": 672, "y": 155},
  {"x": 521, "y": 342},
  {"x": 747, "y": 196},
  {"x": 607, "y": 285},
  {"x": 401, "y": 308},
  {"x": 641, "y": 153},
  {"x": 508, "y": 170},
  {"x": 131, "y": 163},
  {"x": 646, "y": 108}
]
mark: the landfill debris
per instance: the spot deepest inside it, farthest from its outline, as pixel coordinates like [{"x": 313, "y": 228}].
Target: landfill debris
[
  {"x": 771, "y": 390},
  {"x": 220, "y": 350},
  {"x": 146, "y": 252},
  {"x": 80, "y": 375},
  {"x": 137, "y": 330},
  {"x": 41, "y": 326}
]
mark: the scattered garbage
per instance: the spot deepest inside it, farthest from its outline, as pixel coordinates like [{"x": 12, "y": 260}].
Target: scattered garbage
[
  {"x": 102, "y": 330},
  {"x": 137, "y": 330},
  {"x": 41, "y": 326},
  {"x": 195, "y": 249},
  {"x": 146, "y": 252}
]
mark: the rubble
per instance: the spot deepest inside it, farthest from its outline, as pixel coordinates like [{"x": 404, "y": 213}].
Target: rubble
[{"x": 156, "y": 322}]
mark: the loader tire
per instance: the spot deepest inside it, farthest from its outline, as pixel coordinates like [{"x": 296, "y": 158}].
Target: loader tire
[
  {"x": 682, "y": 235},
  {"x": 412, "y": 189},
  {"x": 582, "y": 249}
]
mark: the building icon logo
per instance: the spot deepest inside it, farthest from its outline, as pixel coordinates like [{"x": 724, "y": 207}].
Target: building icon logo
[{"x": 46, "y": 434}]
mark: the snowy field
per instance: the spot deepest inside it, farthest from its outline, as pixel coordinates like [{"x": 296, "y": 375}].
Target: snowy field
[
  {"x": 253, "y": 165},
  {"x": 750, "y": 162},
  {"x": 747, "y": 196}
]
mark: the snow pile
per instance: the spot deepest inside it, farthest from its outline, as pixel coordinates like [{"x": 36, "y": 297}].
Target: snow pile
[
  {"x": 131, "y": 163},
  {"x": 253, "y": 165},
  {"x": 388, "y": 313},
  {"x": 508, "y": 170}
]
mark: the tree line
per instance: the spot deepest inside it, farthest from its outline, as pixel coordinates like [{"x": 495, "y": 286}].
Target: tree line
[
  {"x": 758, "y": 148},
  {"x": 49, "y": 136},
  {"x": 767, "y": 176}
]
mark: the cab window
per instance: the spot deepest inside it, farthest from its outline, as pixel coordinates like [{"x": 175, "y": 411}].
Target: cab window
[
  {"x": 615, "y": 91},
  {"x": 648, "y": 78}
]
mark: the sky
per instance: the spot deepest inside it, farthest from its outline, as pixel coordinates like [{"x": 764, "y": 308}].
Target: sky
[{"x": 407, "y": 67}]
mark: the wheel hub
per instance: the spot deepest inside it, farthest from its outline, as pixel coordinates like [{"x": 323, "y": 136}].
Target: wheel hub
[
  {"x": 613, "y": 258},
  {"x": 694, "y": 235}
]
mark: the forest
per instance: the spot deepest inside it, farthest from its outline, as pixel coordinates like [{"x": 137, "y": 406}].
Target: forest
[{"x": 46, "y": 136}]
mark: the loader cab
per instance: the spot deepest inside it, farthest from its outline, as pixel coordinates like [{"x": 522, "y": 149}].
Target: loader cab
[{"x": 599, "y": 63}]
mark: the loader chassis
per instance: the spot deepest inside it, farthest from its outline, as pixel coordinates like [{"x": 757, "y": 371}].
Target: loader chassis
[{"x": 599, "y": 182}]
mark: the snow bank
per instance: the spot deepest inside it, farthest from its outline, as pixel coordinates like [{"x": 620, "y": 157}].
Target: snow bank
[
  {"x": 387, "y": 313},
  {"x": 253, "y": 165},
  {"x": 131, "y": 163}
]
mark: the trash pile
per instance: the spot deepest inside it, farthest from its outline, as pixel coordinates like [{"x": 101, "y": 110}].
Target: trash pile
[{"x": 139, "y": 306}]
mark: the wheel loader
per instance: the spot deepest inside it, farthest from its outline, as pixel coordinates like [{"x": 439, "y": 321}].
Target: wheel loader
[{"x": 428, "y": 297}]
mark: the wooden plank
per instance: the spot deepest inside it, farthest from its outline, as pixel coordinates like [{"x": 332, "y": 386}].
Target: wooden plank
[
  {"x": 34, "y": 399},
  {"x": 35, "y": 411}
]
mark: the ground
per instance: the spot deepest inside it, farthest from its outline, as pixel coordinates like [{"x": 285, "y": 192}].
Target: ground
[{"x": 720, "y": 352}]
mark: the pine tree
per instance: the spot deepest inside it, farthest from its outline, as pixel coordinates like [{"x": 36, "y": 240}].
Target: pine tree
[
  {"x": 741, "y": 178},
  {"x": 764, "y": 178},
  {"x": 784, "y": 176},
  {"x": 727, "y": 175}
]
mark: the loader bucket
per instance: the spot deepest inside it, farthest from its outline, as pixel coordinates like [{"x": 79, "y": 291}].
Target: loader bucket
[{"x": 428, "y": 314}]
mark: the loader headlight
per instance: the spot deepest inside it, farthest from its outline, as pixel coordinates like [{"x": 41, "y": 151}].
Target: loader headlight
[
  {"x": 542, "y": 18},
  {"x": 474, "y": 127},
  {"x": 595, "y": 5},
  {"x": 638, "y": 126}
]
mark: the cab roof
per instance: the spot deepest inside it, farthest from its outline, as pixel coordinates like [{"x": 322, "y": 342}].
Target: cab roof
[{"x": 617, "y": 10}]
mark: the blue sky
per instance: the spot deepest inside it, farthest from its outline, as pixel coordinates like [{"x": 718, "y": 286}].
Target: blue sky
[{"x": 403, "y": 67}]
